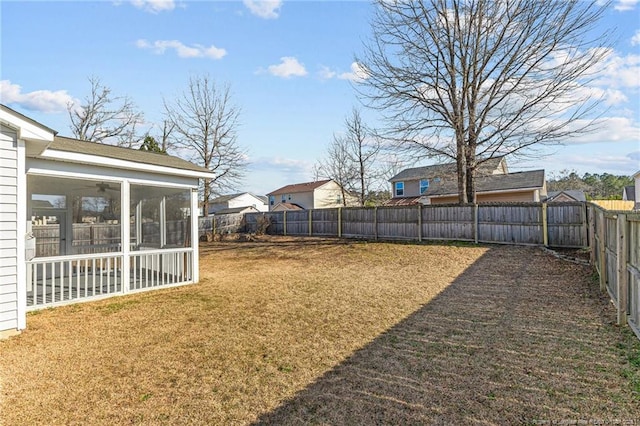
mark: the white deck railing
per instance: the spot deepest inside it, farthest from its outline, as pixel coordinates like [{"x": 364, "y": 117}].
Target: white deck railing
[
  {"x": 53, "y": 281},
  {"x": 153, "y": 268}
]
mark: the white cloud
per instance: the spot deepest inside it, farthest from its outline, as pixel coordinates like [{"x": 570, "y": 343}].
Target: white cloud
[
  {"x": 267, "y": 9},
  {"x": 617, "y": 71},
  {"x": 608, "y": 129},
  {"x": 39, "y": 100},
  {"x": 358, "y": 73},
  {"x": 635, "y": 40},
  {"x": 289, "y": 67},
  {"x": 326, "y": 73},
  {"x": 183, "y": 51},
  {"x": 154, "y": 6},
  {"x": 625, "y": 5}
]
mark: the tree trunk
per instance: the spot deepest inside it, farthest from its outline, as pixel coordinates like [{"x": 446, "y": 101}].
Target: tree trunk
[
  {"x": 206, "y": 193},
  {"x": 461, "y": 163}
]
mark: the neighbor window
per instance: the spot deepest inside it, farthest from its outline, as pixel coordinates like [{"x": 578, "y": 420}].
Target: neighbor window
[
  {"x": 272, "y": 199},
  {"x": 399, "y": 189},
  {"x": 424, "y": 185}
]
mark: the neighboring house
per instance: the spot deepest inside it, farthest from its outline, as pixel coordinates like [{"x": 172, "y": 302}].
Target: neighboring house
[
  {"x": 149, "y": 241},
  {"x": 629, "y": 193},
  {"x": 243, "y": 199},
  {"x": 320, "y": 194},
  {"x": 636, "y": 192},
  {"x": 438, "y": 184},
  {"x": 565, "y": 196}
]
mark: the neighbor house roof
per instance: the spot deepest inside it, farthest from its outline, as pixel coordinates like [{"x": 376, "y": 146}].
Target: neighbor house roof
[
  {"x": 235, "y": 210},
  {"x": 630, "y": 192},
  {"x": 502, "y": 182},
  {"x": 402, "y": 201},
  {"x": 225, "y": 198},
  {"x": 576, "y": 194},
  {"x": 299, "y": 187},
  {"x": 119, "y": 153},
  {"x": 287, "y": 206},
  {"x": 444, "y": 170}
]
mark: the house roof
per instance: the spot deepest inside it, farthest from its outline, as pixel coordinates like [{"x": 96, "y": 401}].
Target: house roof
[
  {"x": 402, "y": 201},
  {"x": 299, "y": 187},
  {"x": 502, "y": 182},
  {"x": 225, "y": 198},
  {"x": 287, "y": 206},
  {"x": 27, "y": 119},
  {"x": 630, "y": 192},
  {"x": 444, "y": 170},
  {"x": 235, "y": 210},
  {"x": 77, "y": 146},
  {"x": 576, "y": 194}
]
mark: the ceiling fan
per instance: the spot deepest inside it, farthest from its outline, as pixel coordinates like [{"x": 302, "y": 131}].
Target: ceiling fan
[{"x": 104, "y": 187}]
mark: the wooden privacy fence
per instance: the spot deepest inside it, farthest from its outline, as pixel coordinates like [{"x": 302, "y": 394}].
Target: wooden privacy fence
[
  {"x": 221, "y": 224},
  {"x": 554, "y": 224},
  {"x": 615, "y": 253}
]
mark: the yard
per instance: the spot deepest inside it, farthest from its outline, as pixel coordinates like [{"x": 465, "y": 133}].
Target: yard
[{"x": 323, "y": 331}]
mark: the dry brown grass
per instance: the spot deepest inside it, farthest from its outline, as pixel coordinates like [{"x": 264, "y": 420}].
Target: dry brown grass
[{"x": 312, "y": 331}]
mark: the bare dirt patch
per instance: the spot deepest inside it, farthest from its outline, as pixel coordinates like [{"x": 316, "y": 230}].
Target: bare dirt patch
[{"x": 323, "y": 331}]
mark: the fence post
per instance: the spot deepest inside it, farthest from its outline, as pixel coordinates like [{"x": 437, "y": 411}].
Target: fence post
[
  {"x": 621, "y": 268},
  {"x": 545, "y": 226},
  {"x": 213, "y": 225},
  {"x": 419, "y": 222},
  {"x": 310, "y": 225},
  {"x": 375, "y": 222},
  {"x": 591, "y": 234},
  {"x": 475, "y": 223},
  {"x": 284, "y": 223},
  {"x": 602, "y": 244},
  {"x": 339, "y": 222}
]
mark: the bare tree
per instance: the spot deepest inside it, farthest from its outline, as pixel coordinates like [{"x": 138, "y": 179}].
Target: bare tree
[
  {"x": 473, "y": 79},
  {"x": 204, "y": 122},
  {"x": 105, "y": 118},
  {"x": 351, "y": 159}
]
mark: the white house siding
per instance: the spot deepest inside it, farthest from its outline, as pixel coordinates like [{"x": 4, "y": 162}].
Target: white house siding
[
  {"x": 329, "y": 195},
  {"x": 247, "y": 200},
  {"x": 8, "y": 230}
]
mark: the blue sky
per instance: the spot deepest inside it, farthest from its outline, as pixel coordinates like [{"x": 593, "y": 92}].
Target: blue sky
[{"x": 289, "y": 65}]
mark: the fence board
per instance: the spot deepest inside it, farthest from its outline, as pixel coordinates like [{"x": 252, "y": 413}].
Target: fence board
[
  {"x": 395, "y": 223},
  {"x": 448, "y": 223},
  {"x": 615, "y": 253},
  {"x": 512, "y": 224},
  {"x": 567, "y": 225},
  {"x": 324, "y": 222}
]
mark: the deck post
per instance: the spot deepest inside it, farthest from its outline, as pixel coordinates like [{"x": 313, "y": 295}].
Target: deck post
[
  {"x": 310, "y": 224},
  {"x": 195, "y": 262},
  {"x": 125, "y": 239}
]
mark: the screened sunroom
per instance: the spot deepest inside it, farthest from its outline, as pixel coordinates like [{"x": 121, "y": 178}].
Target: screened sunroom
[{"x": 103, "y": 220}]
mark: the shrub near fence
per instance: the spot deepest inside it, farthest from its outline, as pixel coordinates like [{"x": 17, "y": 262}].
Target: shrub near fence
[
  {"x": 615, "y": 253},
  {"x": 556, "y": 225}
]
